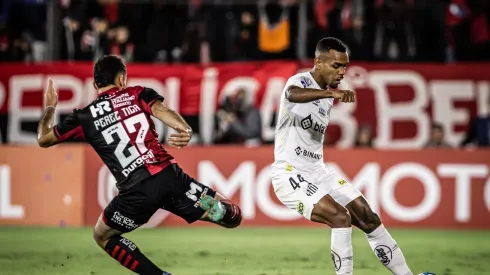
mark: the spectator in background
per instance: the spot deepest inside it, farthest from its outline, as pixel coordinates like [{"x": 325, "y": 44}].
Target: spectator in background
[
  {"x": 34, "y": 29},
  {"x": 220, "y": 27},
  {"x": 480, "y": 29},
  {"x": 238, "y": 121},
  {"x": 13, "y": 46},
  {"x": 96, "y": 28},
  {"x": 324, "y": 21},
  {"x": 457, "y": 14},
  {"x": 436, "y": 139},
  {"x": 429, "y": 22},
  {"x": 478, "y": 133},
  {"x": 24, "y": 38},
  {"x": 167, "y": 30},
  {"x": 246, "y": 43},
  {"x": 469, "y": 29},
  {"x": 119, "y": 43},
  {"x": 364, "y": 137},
  {"x": 356, "y": 31},
  {"x": 195, "y": 44},
  {"x": 85, "y": 29},
  {"x": 223, "y": 30},
  {"x": 394, "y": 28},
  {"x": 276, "y": 23},
  {"x": 350, "y": 20}
]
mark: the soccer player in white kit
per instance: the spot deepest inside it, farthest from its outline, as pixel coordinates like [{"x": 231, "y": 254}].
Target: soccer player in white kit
[{"x": 300, "y": 178}]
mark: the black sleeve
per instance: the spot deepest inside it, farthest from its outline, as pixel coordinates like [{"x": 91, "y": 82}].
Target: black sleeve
[
  {"x": 69, "y": 129},
  {"x": 147, "y": 97}
]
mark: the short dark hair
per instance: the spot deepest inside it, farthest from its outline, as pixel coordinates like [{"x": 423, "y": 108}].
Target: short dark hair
[
  {"x": 437, "y": 126},
  {"x": 106, "y": 70},
  {"x": 330, "y": 43}
]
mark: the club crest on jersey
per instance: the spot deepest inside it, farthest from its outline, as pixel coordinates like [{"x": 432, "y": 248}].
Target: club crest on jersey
[
  {"x": 322, "y": 112},
  {"x": 306, "y": 82},
  {"x": 311, "y": 189}
]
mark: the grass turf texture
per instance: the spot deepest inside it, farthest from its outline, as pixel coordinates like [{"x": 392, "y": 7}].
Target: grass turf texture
[{"x": 251, "y": 251}]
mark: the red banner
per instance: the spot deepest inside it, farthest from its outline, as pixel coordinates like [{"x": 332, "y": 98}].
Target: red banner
[
  {"x": 399, "y": 101},
  {"x": 430, "y": 189},
  {"x": 41, "y": 187}
]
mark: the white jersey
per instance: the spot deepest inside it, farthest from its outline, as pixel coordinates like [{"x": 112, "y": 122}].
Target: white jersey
[
  {"x": 300, "y": 129},
  {"x": 299, "y": 176}
]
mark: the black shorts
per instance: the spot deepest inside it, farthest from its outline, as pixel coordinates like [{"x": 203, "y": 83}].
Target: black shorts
[{"x": 171, "y": 189}]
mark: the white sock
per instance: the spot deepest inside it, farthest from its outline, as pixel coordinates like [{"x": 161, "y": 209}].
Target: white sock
[
  {"x": 387, "y": 251},
  {"x": 341, "y": 250}
]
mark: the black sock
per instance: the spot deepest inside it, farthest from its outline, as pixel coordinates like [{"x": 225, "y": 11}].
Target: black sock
[{"x": 128, "y": 254}]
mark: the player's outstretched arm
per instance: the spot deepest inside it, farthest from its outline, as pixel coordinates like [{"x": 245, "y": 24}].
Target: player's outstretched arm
[
  {"x": 45, "y": 134},
  {"x": 303, "y": 95},
  {"x": 172, "y": 119}
]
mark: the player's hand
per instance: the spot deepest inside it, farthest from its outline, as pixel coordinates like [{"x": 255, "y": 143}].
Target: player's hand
[
  {"x": 180, "y": 139},
  {"x": 50, "y": 97},
  {"x": 346, "y": 96},
  {"x": 230, "y": 117}
]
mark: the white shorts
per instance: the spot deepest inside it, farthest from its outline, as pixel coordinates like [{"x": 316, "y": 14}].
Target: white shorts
[{"x": 300, "y": 191}]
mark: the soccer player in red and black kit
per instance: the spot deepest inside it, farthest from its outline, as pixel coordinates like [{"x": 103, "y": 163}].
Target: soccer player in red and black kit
[{"x": 119, "y": 128}]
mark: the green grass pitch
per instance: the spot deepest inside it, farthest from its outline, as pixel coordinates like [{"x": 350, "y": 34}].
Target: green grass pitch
[{"x": 251, "y": 251}]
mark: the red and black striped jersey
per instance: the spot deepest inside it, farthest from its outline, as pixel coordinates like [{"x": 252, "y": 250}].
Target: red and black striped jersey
[{"x": 119, "y": 128}]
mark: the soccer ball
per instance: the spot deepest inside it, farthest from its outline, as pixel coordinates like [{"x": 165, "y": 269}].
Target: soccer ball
[{"x": 427, "y": 273}]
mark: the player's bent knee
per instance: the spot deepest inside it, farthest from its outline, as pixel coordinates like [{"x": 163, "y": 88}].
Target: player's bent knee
[
  {"x": 102, "y": 232},
  {"x": 366, "y": 219},
  {"x": 335, "y": 217},
  {"x": 371, "y": 222},
  {"x": 341, "y": 219},
  {"x": 99, "y": 237}
]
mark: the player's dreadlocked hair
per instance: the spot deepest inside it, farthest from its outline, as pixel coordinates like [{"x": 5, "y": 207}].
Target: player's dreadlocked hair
[
  {"x": 106, "y": 70},
  {"x": 330, "y": 43}
]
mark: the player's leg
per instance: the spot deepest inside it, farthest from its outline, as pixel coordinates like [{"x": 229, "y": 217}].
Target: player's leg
[
  {"x": 123, "y": 250},
  {"x": 365, "y": 219},
  {"x": 193, "y": 201},
  {"x": 380, "y": 240},
  {"x": 220, "y": 211},
  {"x": 331, "y": 213},
  {"x": 124, "y": 215},
  {"x": 305, "y": 194}
]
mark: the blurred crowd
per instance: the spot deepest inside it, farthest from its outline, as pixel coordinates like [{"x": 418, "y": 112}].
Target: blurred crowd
[
  {"x": 229, "y": 30},
  {"x": 173, "y": 31},
  {"x": 238, "y": 122}
]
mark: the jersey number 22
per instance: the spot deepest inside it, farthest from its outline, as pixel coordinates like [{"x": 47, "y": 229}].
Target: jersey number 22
[{"x": 124, "y": 138}]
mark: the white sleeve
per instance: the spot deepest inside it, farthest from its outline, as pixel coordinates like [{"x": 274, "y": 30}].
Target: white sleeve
[
  {"x": 292, "y": 81},
  {"x": 295, "y": 81}
]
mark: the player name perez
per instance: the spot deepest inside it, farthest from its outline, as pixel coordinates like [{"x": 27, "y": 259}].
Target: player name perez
[
  {"x": 147, "y": 158},
  {"x": 114, "y": 116}
]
